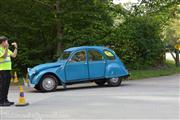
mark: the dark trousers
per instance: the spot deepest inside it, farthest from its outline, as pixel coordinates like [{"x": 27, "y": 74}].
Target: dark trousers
[{"x": 5, "y": 79}]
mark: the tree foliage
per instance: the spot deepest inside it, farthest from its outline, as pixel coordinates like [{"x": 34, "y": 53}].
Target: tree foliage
[
  {"x": 138, "y": 41},
  {"x": 172, "y": 31},
  {"x": 31, "y": 26},
  {"x": 85, "y": 22},
  {"x": 172, "y": 34},
  {"x": 40, "y": 27}
]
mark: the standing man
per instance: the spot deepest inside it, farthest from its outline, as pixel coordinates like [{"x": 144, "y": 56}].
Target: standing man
[{"x": 5, "y": 69}]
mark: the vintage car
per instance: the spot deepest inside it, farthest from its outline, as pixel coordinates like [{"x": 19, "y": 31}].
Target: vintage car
[{"x": 79, "y": 64}]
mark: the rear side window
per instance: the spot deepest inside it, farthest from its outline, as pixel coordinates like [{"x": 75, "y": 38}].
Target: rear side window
[
  {"x": 109, "y": 55},
  {"x": 95, "y": 56}
]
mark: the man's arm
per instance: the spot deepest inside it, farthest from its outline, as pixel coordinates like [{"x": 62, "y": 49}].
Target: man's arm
[{"x": 14, "y": 54}]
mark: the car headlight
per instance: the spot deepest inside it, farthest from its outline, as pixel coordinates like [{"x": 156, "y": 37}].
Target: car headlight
[
  {"x": 34, "y": 71},
  {"x": 31, "y": 71}
]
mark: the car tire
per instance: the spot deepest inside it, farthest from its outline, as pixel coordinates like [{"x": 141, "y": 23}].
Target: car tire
[
  {"x": 100, "y": 82},
  {"x": 48, "y": 83},
  {"x": 37, "y": 87},
  {"x": 113, "y": 82}
]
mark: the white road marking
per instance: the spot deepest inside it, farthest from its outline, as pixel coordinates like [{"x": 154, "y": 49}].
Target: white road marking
[
  {"x": 1, "y": 113},
  {"x": 150, "y": 98},
  {"x": 24, "y": 115}
]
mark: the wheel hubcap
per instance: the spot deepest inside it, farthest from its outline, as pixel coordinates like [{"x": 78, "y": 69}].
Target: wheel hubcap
[
  {"x": 114, "y": 80},
  {"x": 48, "y": 83}
]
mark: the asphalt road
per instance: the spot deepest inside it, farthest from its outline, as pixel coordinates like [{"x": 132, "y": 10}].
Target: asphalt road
[{"x": 155, "y": 98}]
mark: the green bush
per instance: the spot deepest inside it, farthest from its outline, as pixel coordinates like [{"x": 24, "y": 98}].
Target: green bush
[{"x": 138, "y": 42}]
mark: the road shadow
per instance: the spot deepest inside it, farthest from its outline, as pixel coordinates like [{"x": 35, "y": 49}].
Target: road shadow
[{"x": 73, "y": 88}]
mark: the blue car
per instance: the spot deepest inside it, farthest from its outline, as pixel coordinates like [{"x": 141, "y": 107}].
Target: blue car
[{"x": 79, "y": 64}]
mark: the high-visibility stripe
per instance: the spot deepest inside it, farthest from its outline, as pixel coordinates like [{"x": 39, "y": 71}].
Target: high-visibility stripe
[{"x": 5, "y": 61}]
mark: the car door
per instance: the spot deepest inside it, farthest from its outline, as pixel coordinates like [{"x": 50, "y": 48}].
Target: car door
[
  {"x": 96, "y": 64},
  {"x": 77, "y": 67}
]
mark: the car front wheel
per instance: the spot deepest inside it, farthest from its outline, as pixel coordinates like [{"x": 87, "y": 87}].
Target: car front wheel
[
  {"x": 37, "y": 87},
  {"x": 48, "y": 83},
  {"x": 114, "y": 81}
]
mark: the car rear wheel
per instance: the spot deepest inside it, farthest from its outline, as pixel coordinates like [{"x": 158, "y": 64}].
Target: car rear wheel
[
  {"x": 114, "y": 81},
  {"x": 100, "y": 82},
  {"x": 48, "y": 84}
]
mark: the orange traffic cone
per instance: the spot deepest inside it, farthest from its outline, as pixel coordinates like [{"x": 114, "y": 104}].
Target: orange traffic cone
[
  {"x": 27, "y": 80},
  {"x": 22, "y": 101},
  {"x": 25, "y": 83},
  {"x": 16, "y": 80},
  {"x": 12, "y": 78}
]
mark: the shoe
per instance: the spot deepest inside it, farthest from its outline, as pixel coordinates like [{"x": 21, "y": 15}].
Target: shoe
[
  {"x": 5, "y": 104},
  {"x": 11, "y": 103}
]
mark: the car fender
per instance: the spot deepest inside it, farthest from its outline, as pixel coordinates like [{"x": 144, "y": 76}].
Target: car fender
[
  {"x": 53, "y": 71},
  {"x": 115, "y": 70}
]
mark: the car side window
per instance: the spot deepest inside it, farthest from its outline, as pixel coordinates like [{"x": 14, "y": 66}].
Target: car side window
[
  {"x": 94, "y": 56},
  {"x": 109, "y": 55},
  {"x": 79, "y": 57}
]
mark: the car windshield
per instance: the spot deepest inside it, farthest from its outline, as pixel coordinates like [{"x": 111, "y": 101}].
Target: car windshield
[{"x": 65, "y": 55}]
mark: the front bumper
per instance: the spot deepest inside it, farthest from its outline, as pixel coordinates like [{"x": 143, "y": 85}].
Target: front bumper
[
  {"x": 30, "y": 77},
  {"x": 30, "y": 84}
]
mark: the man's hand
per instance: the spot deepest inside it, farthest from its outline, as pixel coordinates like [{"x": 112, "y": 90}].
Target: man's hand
[
  {"x": 15, "y": 50},
  {"x": 14, "y": 44}
]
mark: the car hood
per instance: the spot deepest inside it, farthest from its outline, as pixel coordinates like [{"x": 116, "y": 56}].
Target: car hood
[{"x": 46, "y": 66}]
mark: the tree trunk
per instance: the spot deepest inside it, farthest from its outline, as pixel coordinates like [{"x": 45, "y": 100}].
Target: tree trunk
[
  {"x": 59, "y": 29},
  {"x": 177, "y": 57}
]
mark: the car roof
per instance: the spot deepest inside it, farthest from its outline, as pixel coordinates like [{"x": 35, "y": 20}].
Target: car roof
[{"x": 86, "y": 47}]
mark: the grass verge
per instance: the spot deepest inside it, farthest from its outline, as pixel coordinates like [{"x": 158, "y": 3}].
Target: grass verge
[{"x": 168, "y": 69}]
